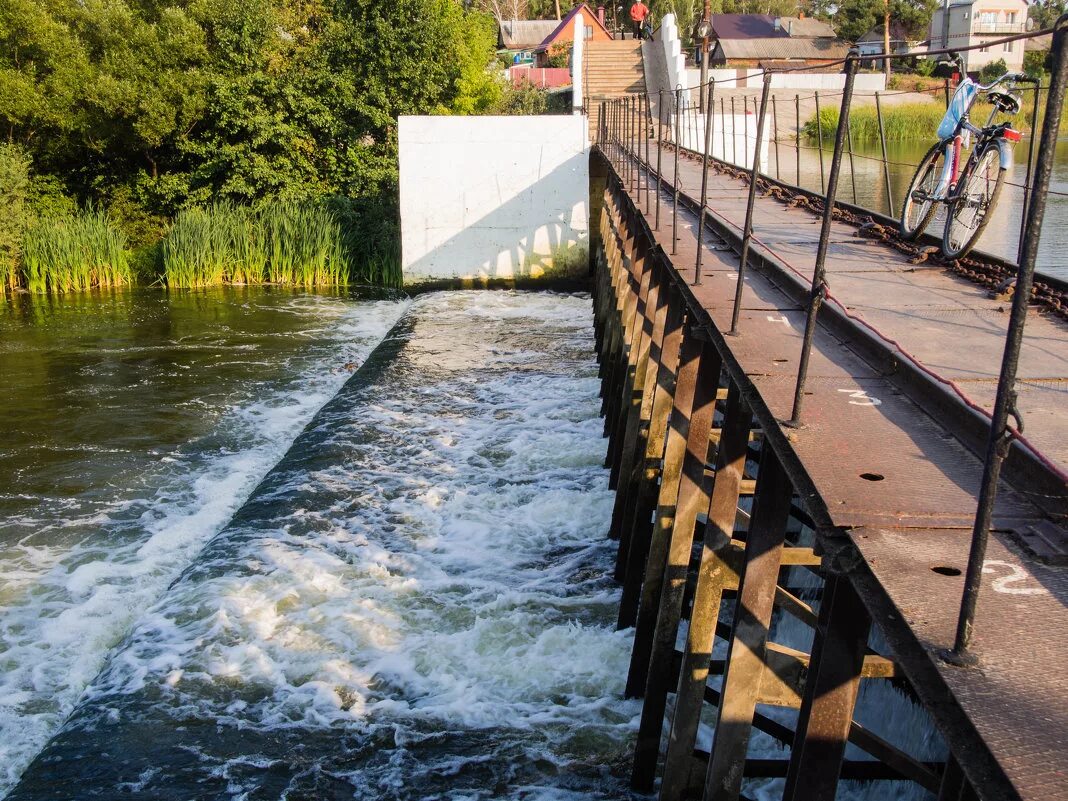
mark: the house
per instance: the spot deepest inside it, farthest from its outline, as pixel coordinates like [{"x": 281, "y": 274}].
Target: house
[
  {"x": 901, "y": 43},
  {"x": 563, "y": 34},
  {"x": 972, "y": 22},
  {"x": 754, "y": 40},
  {"x": 519, "y": 35}
]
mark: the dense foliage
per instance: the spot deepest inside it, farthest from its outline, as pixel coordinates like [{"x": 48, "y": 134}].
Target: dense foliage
[{"x": 145, "y": 108}]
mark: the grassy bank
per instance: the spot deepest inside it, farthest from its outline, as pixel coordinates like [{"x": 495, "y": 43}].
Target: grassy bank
[
  {"x": 910, "y": 121},
  {"x": 304, "y": 244}
]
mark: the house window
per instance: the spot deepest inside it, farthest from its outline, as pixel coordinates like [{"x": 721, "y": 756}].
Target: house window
[
  {"x": 589, "y": 31},
  {"x": 1010, "y": 17}
]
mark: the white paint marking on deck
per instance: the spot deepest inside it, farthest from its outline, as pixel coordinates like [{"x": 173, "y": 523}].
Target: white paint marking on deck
[{"x": 861, "y": 398}]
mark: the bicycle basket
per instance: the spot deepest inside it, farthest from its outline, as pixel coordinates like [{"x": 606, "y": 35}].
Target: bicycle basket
[{"x": 958, "y": 107}]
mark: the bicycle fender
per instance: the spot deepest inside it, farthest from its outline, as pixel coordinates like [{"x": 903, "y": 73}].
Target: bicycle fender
[{"x": 1005, "y": 152}]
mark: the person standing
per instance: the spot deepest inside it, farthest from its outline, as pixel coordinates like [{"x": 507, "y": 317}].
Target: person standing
[{"x": 638, "y": 12}]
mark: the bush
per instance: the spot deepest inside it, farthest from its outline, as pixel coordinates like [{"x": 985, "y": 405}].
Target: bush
[
  {"x": 993, "y": 70},
  {"x": 560, "y": 55}
]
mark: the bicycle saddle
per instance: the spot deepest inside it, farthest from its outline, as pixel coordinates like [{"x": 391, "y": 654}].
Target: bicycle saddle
[{"x": 1003, "y": 101}]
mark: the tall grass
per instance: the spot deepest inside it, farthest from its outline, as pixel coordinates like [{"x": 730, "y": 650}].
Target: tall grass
[
  {"x": 912, "y": 121},
  {"x": 282, "y": 242},
  {"x": 904, "y": 122},
  {"x": 74, "y": 254}
]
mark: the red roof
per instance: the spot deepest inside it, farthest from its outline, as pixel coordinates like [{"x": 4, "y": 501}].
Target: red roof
[{"x": 568, "y": 20}]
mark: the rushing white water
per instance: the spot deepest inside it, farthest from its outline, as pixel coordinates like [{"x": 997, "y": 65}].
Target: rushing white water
[
  {"x": 418, "y": 596},
  {"x": 78, "y": 568},
  {"x": 415, "y": 602}
]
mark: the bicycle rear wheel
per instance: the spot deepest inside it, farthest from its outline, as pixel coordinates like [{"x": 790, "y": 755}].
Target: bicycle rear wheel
[
  {"x": 916, "y": 213},
  {"x": 976, "y": 196}
]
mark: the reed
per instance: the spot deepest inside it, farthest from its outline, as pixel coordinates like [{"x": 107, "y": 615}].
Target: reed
[
  {"x": 281, "y": 242},
  {"x": 74, "y": 254},
  {"x": 904, "y": 122},
  {"x": 912, "y": 121}
]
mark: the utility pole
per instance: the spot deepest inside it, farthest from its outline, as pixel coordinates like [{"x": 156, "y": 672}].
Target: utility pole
[
  {"x": 886, "y": 38},
  {"x": 703, "y": 32}
]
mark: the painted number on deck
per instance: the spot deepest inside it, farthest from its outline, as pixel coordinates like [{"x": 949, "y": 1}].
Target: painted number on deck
[
  {"x": 783, "y": 320},
  {"x": 861, "y": 398},
  {"x": 1015, "y": 576}
]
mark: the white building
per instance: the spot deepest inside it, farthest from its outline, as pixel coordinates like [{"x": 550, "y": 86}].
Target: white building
[{"x": 972, "y": 22}]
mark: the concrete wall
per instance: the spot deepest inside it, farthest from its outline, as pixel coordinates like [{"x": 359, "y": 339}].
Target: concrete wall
[
  {"x": 733, "y": 137},
  {"x": 487, "y": 198},
  {"x": 753, "y": 79}
]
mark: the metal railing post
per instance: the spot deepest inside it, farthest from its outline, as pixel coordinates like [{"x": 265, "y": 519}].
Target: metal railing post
[
  {"x": 630, "y": 143},
  {"x": 647, "y": 121},
  {"x": 1030, "y": 170},
  {"x": 659, "y": 154},
  {"x": 704, "y": 179},
  {"x": 639, "y": 130},
  {"x": 747, "y": 232},
  {"x": 1005, "y": 401},
  {"x": 886, "y": 162},
  {"x": 675, "y": 175},
  {"x": 797, "y": 140},
  {"x": 819, "y": 286},
  {"x": 852, "y": 170},
  {"x": 775, "y": 134},
  {"x": 723, "y": 127},
  {"x": 819, "y": 141},
  {"x": 734, "y": 134}
]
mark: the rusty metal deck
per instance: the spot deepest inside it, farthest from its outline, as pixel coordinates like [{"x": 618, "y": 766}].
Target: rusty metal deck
[{"x": 898, "y": 486}]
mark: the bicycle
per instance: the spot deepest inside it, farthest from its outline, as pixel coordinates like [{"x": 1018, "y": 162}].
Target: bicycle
[{"x": 971, "y": 192}]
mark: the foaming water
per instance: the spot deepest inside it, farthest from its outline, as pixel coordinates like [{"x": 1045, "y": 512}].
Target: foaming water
[
  {"x": 415, "y": 603},
  {"x": 133, "y": 426}
]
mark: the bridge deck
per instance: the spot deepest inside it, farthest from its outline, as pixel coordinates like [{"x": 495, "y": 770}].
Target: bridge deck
[{"x": 893, "y": 478}]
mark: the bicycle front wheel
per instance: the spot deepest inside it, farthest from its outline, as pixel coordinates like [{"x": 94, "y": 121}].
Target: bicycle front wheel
[
  {"x": 976, "y": 197},
  {"x": 919, "y": 206}
]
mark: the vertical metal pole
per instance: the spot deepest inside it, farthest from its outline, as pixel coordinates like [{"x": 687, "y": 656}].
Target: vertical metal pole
[
  {"x": 775, "y": 134},
  {"x": 747, "y": 232},
  {"x": 797, "y": 141},
  {"x": 1005, "y": 401},
  {"x": 852, "y": 171},
  {"x": 675, "y": 175},
  {"x": 1030, "y": 169},
  {"x": 818, "y": 284},
  {"x": 945, "y": 88},
  {"x": 631, "y": 103},
  {"x": 819, "y": 135},
  {"x": 659, "y": 153},
  {"x": 647, "y": 121},
  {"x": 642, "y": 131},
  {"x": 723, "y": 127},
  {"x": 704, "y": 180},
  {"x": 886, "y": 162},
  {"x": 734, "y": 134}
]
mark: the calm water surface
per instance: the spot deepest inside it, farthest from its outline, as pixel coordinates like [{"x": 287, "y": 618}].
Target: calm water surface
[{"x": 1002, "y": 233}]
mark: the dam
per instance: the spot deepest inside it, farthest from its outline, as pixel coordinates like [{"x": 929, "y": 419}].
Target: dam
[{"x": 667, "y": 478}]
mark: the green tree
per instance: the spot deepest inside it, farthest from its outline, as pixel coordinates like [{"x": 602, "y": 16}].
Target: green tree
[
  {"x": 854, "y": 18},
  {"x": 1046, "y": 12}
]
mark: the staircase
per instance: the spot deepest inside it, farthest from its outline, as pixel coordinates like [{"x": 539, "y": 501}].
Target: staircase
[{"x": 612, "y": 69}]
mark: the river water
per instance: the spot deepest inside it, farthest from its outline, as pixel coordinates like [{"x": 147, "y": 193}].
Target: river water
[
  {"x": 866, "y": 175},
  {"x": 235, "y": 566}
]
